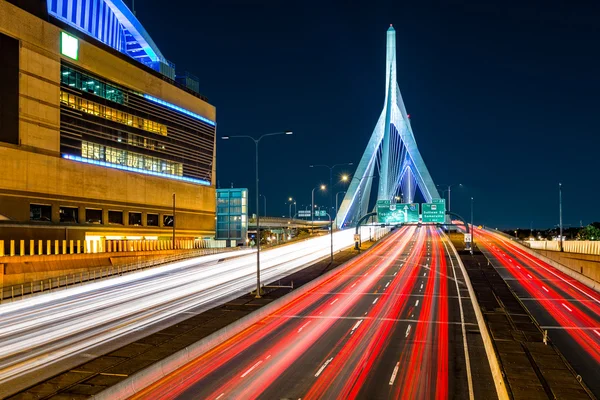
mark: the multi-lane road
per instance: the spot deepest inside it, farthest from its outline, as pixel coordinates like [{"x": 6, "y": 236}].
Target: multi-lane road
[
  {"x": 52, "y": 332},
  {"x": 393, "y": 323},
  {"x": 567, "y": 309}
]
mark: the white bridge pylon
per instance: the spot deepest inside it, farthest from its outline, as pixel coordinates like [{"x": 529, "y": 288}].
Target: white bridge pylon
[{"x": 391, "y": 155}]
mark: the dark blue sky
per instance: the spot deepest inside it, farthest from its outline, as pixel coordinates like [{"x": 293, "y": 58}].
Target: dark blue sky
[{"x": 503, "y": 97}]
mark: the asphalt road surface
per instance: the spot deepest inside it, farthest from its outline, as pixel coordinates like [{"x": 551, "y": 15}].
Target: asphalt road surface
[
  {"x": 395, "y": 323},
  {"x": 567, "y": 309}
]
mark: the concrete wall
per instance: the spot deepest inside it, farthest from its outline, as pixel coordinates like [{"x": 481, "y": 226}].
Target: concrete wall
[{"x": 585, "y": 264}]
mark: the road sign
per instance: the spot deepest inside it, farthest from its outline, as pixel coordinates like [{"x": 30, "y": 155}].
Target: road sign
[
  {"x": 304, "y": 213},
  {"x": 467, "y": 238},
  {"x": 320, "y": 213},
  {"x": 434, "y": 212},
  {"x": 390, "y": 213}
]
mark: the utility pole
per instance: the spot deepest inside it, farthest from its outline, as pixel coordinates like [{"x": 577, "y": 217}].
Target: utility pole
[
  {"x": 560, "y": 219},
  {"x": 173, "y": 221}
]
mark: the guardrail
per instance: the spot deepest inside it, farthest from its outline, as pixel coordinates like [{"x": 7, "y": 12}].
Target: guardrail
[{"x": 19, "y": 292}]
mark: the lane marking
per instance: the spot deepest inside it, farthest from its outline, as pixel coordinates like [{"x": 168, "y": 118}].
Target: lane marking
[
  {"x": 596, "y": 332},
  {"x": 251, "y": 368},
  {"x": 417, "y": 303},
  {"x": 425, "y": 274},
  {"x": 353, "y": 285},
  {"x": 393, "y": 378},
  {"x": 544, "y": 287},
  {"x": 530, "y": 277},
  {"x": 303, "y": 326},
  {"x": 333, "y": 302},
  {"x": 408, "y": 331},
  {"x": 567, "y": 307},
  {"x": 221, "y": 395},
  {"x": 387, "y": 284},
  {"x": 323, "y": 367},
  {"x": 375, "y": 301},
  {"x": 269, "y": 356},
  {"x": 421, "y": 286},
  {"x": 357, "y": 324}
]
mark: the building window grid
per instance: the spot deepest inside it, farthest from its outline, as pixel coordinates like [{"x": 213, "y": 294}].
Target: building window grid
[
  {"x": 111, "y": 114},
  {"x": 86, "y": 83},
  {"x": 112, "y": 155}
]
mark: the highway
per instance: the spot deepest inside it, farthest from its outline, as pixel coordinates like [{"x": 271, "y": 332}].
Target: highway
[
  {"x": 389, "y": 324},
  {"x": 567, "y": 309},
  {"x": 52, "y": 332}
]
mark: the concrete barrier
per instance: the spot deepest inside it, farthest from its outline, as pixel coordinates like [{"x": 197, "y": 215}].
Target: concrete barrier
[{"x": 142, "y": 379}]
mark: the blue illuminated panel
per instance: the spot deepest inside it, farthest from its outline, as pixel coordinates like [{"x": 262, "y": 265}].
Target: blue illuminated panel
[
  {"x": 181, "y": 110},
  {"x": 137, "y": 170}
]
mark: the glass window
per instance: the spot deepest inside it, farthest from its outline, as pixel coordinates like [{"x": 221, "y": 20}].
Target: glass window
[
  {"x": 135, "y": 218},
  {"x": 115, "y": 217},
  {"x": 168, "y": 220},
  {"x": 93, "y": 216},
  {"x": 69, "y": 214},
  {"x": 152, "y": 219},
  {"x": 40, "y": 212}
]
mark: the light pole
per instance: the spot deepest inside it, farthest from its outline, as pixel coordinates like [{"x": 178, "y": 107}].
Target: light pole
[
  {"x": 336, "y": 202},
  {"x": 256, "y": 142},
  {"x": 290, "y": 200},
  {"x": 265, "y": 201},
  {"x": 472, "y": 229},
  {"x": 449, "y": 190},
  {"x": 312, "y": 209},
  {"x": 331, "y": 167},
  {"x": 331, "y": 236},
  {"x": 560, "y": 221}
]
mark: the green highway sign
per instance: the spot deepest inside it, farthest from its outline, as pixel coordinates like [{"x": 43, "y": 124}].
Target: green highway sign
[
  {"x": 434, "y": 211},
  {"x": 320, "y": 213},
  {"x": 390, "y": 213}
]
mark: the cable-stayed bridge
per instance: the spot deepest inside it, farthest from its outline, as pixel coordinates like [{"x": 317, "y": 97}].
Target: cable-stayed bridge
[{"x": 391, "y": 155}]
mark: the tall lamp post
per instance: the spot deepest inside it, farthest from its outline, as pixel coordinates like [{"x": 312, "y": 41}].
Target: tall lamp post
[
  {"x": 312, "y": 209},
  {"x": 472, "y": 229},
  {"x": 331, "y": 167},
  {"x": 560, "y": 222},
  {"x": 291, "y": 201},
  {"x": 449, "y": 190},
  {"x": 256, "y": 142}
]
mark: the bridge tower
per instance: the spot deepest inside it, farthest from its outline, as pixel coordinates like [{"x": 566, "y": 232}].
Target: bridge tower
[{"x": 391, "y": 154}]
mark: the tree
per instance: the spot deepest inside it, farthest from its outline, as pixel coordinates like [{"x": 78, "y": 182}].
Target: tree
[{"x": 590, "y": 232}]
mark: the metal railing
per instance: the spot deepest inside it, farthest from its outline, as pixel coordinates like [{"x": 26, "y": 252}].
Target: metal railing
[{"x": 19, "y": 292}]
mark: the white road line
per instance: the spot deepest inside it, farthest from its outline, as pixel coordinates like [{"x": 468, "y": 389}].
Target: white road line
[
  {"x": 353, "y": 285},
  {"x": 393, "y": 378},
  {"x": 425, "y": 274},
  {"x": 544, "y": 287},
  {"x": 596, "y": 332},
  {"x": 221, "y": 395},
  {"x": 530, "y": 277},
  {"x": 408, "y": 331},
  {"x": 303, "y": 326},
  {"x": 325, "y": 364},
  {"x": 375, "y": 301},
  {"x": 333, "y": 302},
  {"x": 269, "y": 356},
  {"x": 464, "y": 329},
  {"x": 387, "y": 284},
  {"x": 251, "y": 368},
  {"x": 518, "y": 267},
  {"x": 421, "y": 286},
  {"x": 417, "y": 303},
  {"x": 565, "y": 306},
  {"x": 357, "y": 324}
]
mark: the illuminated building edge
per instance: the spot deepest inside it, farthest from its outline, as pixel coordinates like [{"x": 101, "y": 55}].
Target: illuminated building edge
[{"x": 131, "y": 169}]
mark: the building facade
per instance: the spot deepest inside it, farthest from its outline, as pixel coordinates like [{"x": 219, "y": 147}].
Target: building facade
[
  {"x": 97, "y": 131},
  {"x": 232, "y": 216}
]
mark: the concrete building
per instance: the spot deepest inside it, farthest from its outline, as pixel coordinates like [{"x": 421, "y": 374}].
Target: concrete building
[{"x": 97, "y": 132}]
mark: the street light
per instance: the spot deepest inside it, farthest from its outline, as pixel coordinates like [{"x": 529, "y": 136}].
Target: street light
[
  {"x": 331, "y": 167},
  {"x": 472, "y": 229},
  {"x": 256, "y": 142},
  {"x": 449, "y": 190},
  {"x": 291, "y": 201},
  {"x": 312, "y": 210},
  {"x": 560, "y": 221},
  {"x": 336, "y": 202}
]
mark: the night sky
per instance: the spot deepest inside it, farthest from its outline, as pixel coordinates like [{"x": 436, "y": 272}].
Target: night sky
[{"x": 503, "y": 97}]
